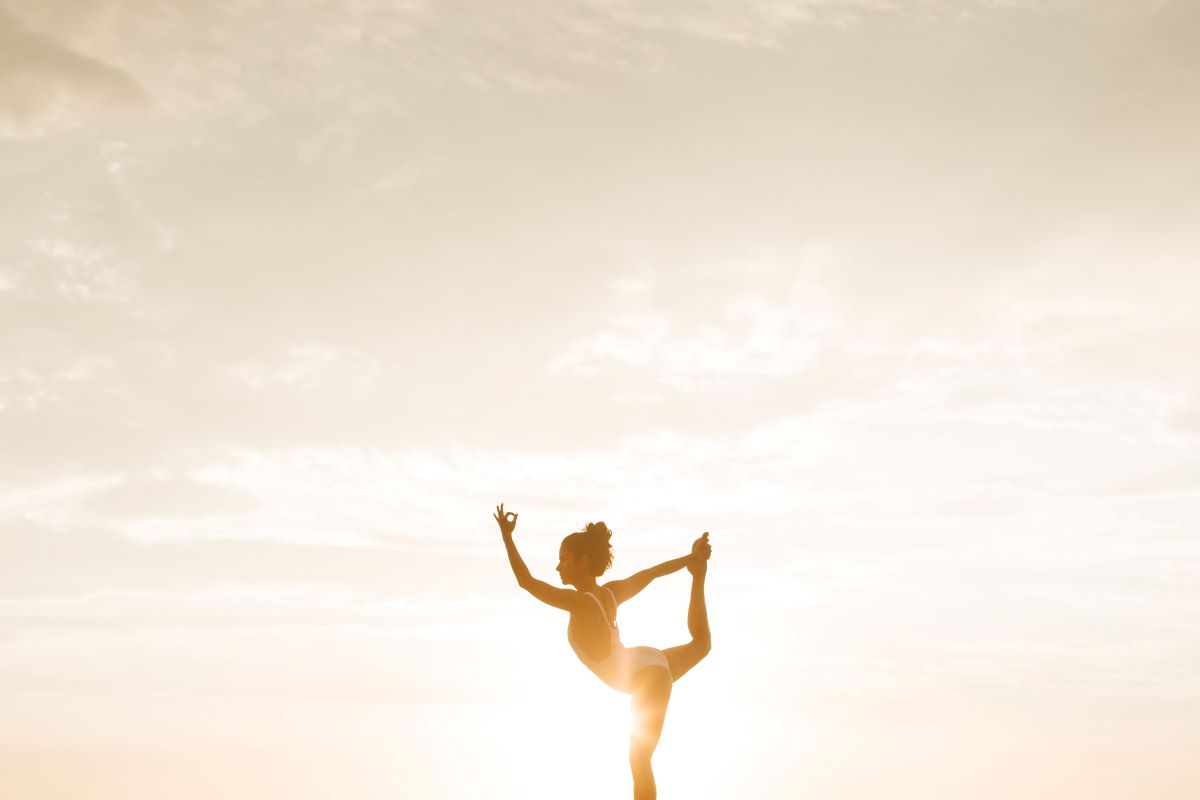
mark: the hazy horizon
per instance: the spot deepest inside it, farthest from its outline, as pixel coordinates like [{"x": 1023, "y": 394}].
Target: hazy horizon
[{"x": 896, "y": 298}]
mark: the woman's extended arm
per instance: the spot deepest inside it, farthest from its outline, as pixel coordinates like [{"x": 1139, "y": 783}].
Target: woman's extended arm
[
  {"x": 551, "y": 595},
  {"x": 625, "y": 589}
]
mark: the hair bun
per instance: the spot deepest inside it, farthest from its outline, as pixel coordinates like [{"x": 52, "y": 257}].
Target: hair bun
[{"x": 594, "y": 541}]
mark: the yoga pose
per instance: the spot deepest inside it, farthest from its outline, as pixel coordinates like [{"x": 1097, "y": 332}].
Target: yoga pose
[{"x": 644, "y": 672}]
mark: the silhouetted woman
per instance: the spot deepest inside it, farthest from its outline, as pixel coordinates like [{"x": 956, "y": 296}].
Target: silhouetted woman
[{"x": 644, "y": 672}]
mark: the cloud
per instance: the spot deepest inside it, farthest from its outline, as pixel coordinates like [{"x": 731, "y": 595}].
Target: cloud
[
  {"x": 159, "y": 496},
  {"x": 1131, "y": 667},
  {"x": 101, "y": 554},
  {"x": 753, "y": 24},
  {"x": 373, "y": 57},
  {"x": 311, "y": 368},
  {"x": 264, "y": 607},
  {"x": 766, "y": 23},
  {"x": 732, "y": 334},
  {"x": 72, "y": 271},
  {"x": 47, "y": 87},
  {"x": 1182, "y": 479},
  {"x": 262, "y": 641}
]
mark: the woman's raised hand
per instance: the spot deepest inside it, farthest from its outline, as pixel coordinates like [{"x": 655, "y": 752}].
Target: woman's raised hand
[
  {"x": 507, "y": 522},
  {"x": 701, "y": 551}
]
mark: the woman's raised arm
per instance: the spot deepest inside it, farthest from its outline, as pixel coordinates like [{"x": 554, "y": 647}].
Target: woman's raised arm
[
  {"x": 565, "y": 599},
  {"x": 508, "y": 523}
]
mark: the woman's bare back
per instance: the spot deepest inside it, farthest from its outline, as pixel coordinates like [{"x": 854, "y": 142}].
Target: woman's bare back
[{"x": 590, "y": 629}]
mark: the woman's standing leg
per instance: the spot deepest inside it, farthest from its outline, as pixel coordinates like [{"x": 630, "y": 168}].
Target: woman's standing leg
[{"x": 651, "y": 693}]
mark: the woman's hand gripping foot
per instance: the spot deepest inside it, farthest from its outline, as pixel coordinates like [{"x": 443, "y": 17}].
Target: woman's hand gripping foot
[{"x": 701, "y": 550}]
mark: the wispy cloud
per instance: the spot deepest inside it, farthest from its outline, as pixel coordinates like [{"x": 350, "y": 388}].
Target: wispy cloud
[
  {"x": 238, "y": 607},
  {"x": 310, "y": 368},
  {"x": 45, "y": 86},
  {"x": 729, "y": 331},
  {"x": 904, "y": 318}
]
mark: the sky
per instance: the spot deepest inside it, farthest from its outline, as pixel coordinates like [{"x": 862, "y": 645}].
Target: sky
[{"x": 895, "y": 298}]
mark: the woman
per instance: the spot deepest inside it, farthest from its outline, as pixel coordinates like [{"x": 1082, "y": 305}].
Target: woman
[{"x": 644, "y": 672}]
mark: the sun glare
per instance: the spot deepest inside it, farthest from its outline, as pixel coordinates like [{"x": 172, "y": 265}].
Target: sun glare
[
  {"x": 573, "y": 731},
  {"x": 571, "y": 734}
]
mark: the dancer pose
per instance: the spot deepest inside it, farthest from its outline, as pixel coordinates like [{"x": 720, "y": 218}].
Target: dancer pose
[{"x": 644, "y": 672}]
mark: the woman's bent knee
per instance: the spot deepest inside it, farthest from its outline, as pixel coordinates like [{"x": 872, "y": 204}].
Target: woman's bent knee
[{"x": 640, "y": 754}]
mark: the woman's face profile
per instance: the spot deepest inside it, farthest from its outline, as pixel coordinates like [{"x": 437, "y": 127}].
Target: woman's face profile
[{"x": 568, "y": 565}]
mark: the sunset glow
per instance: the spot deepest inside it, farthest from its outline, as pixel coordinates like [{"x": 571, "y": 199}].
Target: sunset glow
[{"x": 896, "y": 299}]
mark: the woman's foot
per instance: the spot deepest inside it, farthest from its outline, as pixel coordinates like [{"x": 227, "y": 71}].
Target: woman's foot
[{"x": 701, "y": 550}]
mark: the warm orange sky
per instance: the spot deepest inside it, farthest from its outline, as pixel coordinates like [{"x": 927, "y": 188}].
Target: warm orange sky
[{"x": 896, "y": 298}]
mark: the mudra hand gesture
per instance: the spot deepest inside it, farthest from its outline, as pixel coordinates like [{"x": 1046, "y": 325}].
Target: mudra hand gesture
[{"x": 507, "y": 522}]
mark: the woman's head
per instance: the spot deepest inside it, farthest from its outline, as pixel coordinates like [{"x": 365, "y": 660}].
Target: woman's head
[{"x": 585, "y": 552}]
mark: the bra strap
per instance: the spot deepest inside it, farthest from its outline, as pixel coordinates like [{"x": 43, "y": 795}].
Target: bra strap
[
  {"x": 614, "y": 599},
  {"x": 600, "y": 605}
]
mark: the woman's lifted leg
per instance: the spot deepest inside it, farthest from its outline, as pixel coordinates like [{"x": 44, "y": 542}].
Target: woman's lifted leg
[{"x": 686, "y": 656}]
